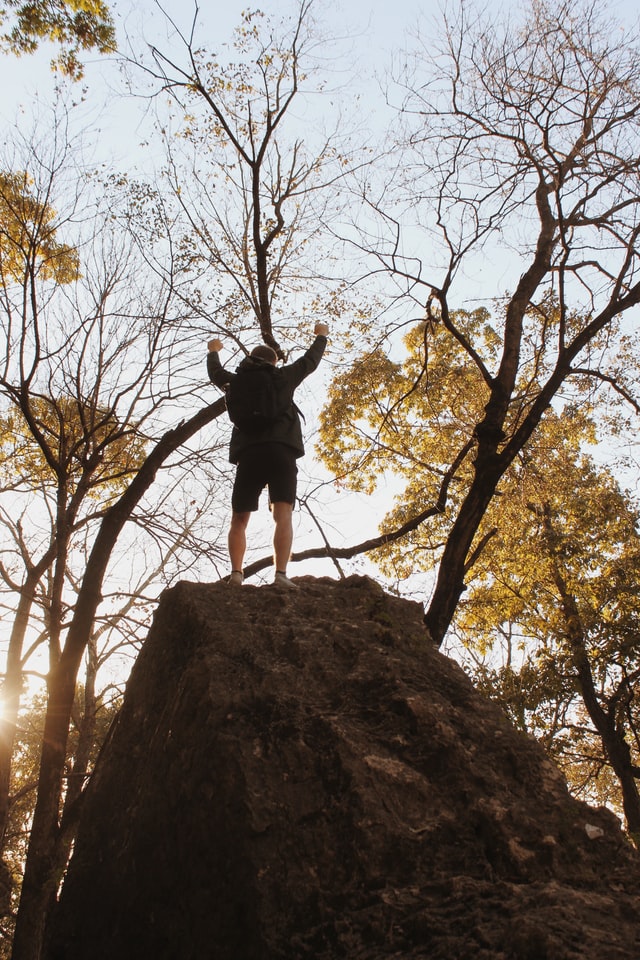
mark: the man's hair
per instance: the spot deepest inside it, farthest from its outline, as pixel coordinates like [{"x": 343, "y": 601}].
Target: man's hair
[{"x": 263, "y": 352}]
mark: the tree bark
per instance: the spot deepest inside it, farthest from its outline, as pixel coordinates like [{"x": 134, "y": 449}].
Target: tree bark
[
  {"x": 450, "y": 582},
  {"x": 604, "y": 720},
  {"x": 12, "y": 686}
]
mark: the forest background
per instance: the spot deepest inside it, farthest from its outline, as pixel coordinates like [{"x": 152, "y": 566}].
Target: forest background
[{"x": 457, "y": 193}]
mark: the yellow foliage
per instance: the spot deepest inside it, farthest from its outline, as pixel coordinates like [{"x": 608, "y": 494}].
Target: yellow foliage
[
  {"x": 409, "y": 417},
  {"x": 62, "y": 441},
  {"x": 27, "y": 237},
  {"x": 412, "y": 419},
  {"x": 73, "y": 24}
]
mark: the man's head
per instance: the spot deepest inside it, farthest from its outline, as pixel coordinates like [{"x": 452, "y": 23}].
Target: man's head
[{"x": 263, "y": 352}]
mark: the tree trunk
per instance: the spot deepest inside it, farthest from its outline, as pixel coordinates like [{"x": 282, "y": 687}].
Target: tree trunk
[
  {"x": 613, "y": 740},
  {"x": 11, "y": 694},
  {"x": 12, "y": 686},
  {"x": 612, "y": 737},
  {"x": 450, "y": 581}
]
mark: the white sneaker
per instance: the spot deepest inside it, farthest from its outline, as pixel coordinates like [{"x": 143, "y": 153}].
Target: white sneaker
[
  {"x": 236, "y": 579},
  {"x": 282, "y": 580}
]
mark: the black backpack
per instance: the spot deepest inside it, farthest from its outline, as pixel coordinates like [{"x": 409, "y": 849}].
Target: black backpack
[{"x": 252, "y": 398}]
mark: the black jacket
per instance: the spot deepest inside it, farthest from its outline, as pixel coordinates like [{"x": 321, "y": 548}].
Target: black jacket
[{"x": 287, "y": 428}]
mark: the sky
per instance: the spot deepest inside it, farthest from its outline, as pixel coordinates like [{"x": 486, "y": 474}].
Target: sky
[{"x": 372, "y": 31}]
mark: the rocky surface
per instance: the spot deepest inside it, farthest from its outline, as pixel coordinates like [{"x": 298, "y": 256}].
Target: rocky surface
[{"x": 301, "y": 775}]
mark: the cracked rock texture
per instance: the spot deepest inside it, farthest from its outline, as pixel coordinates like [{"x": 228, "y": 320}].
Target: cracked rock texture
[{"x": 301, "y": 775}]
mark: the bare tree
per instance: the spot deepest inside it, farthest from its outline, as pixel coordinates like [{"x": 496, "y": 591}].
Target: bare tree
[
  {"x": 518, "y": 144},
  {"x": 96, "y": 365},
  {"x": 253, "y": 191}
]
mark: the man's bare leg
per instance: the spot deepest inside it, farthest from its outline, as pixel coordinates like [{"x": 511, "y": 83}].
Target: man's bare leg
[
  {"x": 282, "y": 535},
  {"x": 237, "y": 541}
]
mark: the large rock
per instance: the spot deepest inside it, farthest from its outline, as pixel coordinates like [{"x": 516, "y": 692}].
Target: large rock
[{"x": 301, "y": 775}]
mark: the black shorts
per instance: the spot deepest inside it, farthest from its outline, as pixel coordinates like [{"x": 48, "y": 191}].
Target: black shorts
[{"x": 264, "y": 464}]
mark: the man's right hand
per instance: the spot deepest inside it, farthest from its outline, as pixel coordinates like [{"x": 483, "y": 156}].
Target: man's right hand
[
  {"x": 214, "y": 346},
  {"x": 321, "y": 330}
]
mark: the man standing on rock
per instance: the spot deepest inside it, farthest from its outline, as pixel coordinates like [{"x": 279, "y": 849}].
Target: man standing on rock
[{"x": 265, "y": 442}]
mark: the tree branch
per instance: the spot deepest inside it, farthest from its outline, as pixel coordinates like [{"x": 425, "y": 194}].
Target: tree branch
[{"x": 366, "y": 546}]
